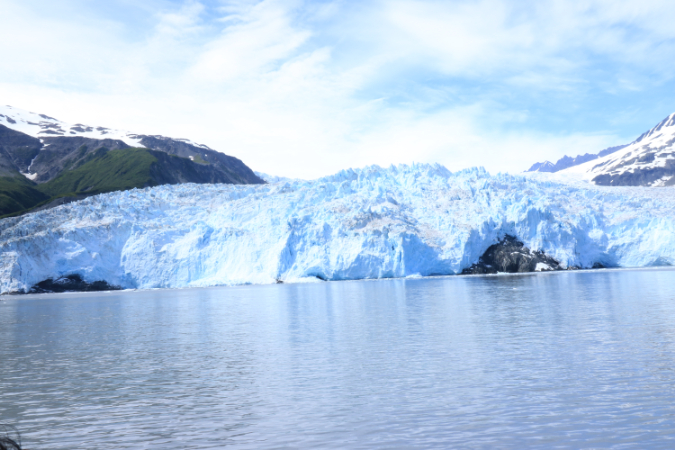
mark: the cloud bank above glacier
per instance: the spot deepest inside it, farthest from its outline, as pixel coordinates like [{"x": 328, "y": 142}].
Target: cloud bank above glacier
[{"x": 297, "y": 88}]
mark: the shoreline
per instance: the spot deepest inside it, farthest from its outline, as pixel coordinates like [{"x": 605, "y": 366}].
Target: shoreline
[{"x": 318, "y": 281}]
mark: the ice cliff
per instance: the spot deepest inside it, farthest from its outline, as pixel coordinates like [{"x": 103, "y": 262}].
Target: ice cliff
[{"x": 367, "y": 223}]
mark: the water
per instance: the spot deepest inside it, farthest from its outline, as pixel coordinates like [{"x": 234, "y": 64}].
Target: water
[{"x": 564, "y": 360}]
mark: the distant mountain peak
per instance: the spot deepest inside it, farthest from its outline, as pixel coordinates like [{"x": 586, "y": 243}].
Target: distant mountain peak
[
  {"x": 647, "y": 161},
  {"x": 567, "y": 161},
  {"x": 545, "y": 166}
]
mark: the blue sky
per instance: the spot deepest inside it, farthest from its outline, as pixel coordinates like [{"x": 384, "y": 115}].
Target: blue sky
[{"x": 305, "y": 89}]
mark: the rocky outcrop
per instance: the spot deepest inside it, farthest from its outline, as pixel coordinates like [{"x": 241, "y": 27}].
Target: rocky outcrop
[
  {"x": 511, "y": 256},
  {"x": 70, "y": 283}
]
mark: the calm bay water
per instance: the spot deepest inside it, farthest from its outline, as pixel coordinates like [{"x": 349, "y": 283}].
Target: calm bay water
[{"x": 565, "y": 360}]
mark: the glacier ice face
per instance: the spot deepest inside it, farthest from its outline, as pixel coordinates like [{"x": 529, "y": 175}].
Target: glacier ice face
[
  {"x": 366, "y": 223},
  {"x": 272, "y": 178}
]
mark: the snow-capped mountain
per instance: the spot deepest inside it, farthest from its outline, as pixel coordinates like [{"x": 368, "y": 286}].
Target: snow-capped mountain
[
  {"x": 43, "y": 126},
  {"x": 647, "y": 161},
  {"x": 546, "y": 166},
  {"x": 367, "y": 223},
  {"x": 567, "y": 161},
  {"x": 42, "y": 158},
  {"x": 57, "y": 145}
]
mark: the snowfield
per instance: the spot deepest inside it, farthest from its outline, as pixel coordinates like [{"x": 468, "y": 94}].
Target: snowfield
[{"x": 368, "y": 223}]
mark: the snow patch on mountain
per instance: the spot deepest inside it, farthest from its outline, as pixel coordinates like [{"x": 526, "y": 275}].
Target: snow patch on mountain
[
  {"x": 41, "y": 125},
  {"x": 369, "y": 223},
  {"x": 30, "y": 176}
]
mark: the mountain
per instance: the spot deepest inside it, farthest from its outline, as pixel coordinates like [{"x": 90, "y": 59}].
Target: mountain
[
  {"x": 403, "y": 221},
  {"x": 567, "y": 161},
  {"x": 647, "y": 161},
  {"x": 43, "y": 159},
  {"x": 546, "y": 166}
]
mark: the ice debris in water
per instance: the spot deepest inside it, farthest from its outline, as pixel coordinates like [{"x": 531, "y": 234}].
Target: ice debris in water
[{"x": 368, "y": 223}]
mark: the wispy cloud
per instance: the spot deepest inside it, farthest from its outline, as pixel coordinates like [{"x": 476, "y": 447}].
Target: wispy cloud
[
  {"x": 260, "y": 39},
  {"x": 307, "y": 88}
]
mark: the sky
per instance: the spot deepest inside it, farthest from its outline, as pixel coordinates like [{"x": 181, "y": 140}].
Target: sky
[{"x": 307, "y": 88}]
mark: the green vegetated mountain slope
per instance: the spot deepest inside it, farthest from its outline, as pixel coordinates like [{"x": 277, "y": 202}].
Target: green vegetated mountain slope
[
  {"x": 66, "y": 168},
  {"x": 19, "y": 194},
  {"x": 114, "y": 170},
  {"x": 117, "y": 170}
]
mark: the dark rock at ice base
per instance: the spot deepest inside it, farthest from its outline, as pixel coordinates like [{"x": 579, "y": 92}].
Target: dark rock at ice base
[
  {"x": 70, "y": 283},
  {"x": 511, "y": 256}
]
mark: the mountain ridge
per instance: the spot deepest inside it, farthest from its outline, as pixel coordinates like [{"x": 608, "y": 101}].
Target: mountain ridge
[
  {"x": 40, "y": 149},
  {"x": 647, "y": 161},
  {"x": 567, "y": 161}
]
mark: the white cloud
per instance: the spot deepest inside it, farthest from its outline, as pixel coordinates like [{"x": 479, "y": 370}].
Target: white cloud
[
  {"x": 262, "y": 36},
  {"x": 461, "y": 38},
  {"x": 179, "y": 23}
]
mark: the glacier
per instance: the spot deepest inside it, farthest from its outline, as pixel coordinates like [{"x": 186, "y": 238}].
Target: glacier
[{"x": 401, "y": 221}]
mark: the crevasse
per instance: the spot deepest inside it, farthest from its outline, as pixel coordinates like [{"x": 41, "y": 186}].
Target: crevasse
[{"x": 366, "y": 223}]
